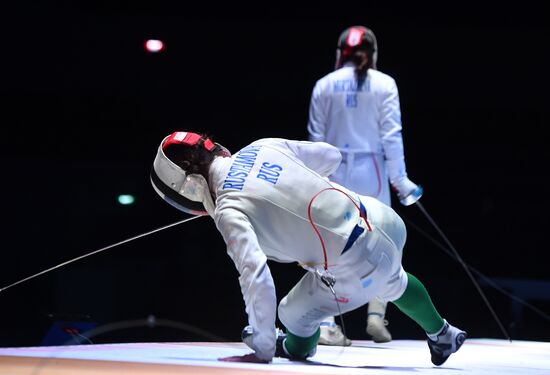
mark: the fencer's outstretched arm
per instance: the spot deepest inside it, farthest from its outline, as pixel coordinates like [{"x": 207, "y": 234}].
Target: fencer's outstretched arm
[{"x": 255, "y": 278}]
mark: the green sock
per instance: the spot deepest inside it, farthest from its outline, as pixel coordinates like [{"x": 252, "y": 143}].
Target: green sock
[
  {"x": 300, "y": 347},
  {"x": 417, "y": 304}
]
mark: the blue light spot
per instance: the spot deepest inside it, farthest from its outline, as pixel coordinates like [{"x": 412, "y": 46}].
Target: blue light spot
[
  {"x": 347, "y": 216},
  {"x": 366, "y": 282},
  {"x": 126, "y": 199}
]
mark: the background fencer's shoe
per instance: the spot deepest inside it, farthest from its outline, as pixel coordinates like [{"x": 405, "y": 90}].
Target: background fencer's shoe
[
  {"x": 376, "y": 327},
  {"x": 331, "y": 334},
  {"x": 447, "y": 342}
]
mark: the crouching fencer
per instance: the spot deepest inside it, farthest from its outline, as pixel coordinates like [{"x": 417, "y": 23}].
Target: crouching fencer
[{"x": 272, "y": 200}]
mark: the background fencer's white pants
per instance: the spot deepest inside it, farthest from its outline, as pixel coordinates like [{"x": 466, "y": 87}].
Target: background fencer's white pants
[
  {"x": 364, "y": 173},
  {"x": 370, "y": 268}
]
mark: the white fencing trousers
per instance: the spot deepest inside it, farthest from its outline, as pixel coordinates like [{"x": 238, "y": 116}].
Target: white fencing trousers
[{"x": 370, "y": 268}]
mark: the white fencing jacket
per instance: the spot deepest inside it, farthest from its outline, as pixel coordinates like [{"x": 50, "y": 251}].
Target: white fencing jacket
[
  {"x": 262, "y": 197},
  {"x": 359, "y": 121}
]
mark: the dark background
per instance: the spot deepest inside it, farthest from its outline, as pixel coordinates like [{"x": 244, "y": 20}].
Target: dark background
[{"x": 83, "y": 108}]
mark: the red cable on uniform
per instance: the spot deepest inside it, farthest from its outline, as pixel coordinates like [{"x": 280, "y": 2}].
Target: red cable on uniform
[
  {"x": 317, "y": 231},
  {"x": 379, "y": 189}
]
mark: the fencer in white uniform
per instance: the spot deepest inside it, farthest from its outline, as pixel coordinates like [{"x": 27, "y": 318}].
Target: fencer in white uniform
[
  {"x": 368, "y": 135},
  {"x": 263, "y": 195},
  {"x": 273, "y": 200},
  {"x": 356, "y": 109}
]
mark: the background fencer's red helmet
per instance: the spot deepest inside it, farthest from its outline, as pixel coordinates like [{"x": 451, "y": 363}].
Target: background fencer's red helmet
[{"x": 352, "y": 39}]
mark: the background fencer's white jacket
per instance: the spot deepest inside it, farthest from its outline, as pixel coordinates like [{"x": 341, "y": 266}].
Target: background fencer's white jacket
[
  {"x": 263, "y": 194},
  {"x": 359, "y": 120}
]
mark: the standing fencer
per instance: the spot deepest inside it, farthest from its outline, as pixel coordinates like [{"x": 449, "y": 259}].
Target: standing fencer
[
  {"x": 273, "y": 200},
  {"x": 356, "y": 108}
]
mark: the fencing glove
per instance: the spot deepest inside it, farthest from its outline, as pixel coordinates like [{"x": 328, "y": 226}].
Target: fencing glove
[{"x": 407, "y": 191}]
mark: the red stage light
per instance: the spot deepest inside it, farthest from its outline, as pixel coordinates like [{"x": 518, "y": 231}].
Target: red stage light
[{"x": 154, "y": 45}]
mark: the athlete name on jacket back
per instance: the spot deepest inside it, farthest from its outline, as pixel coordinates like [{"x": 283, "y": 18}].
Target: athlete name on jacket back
[{"x": 242, "y": 166}]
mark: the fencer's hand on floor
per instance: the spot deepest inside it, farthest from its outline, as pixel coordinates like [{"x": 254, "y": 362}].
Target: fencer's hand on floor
[{"x": 251, "y": 358}]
